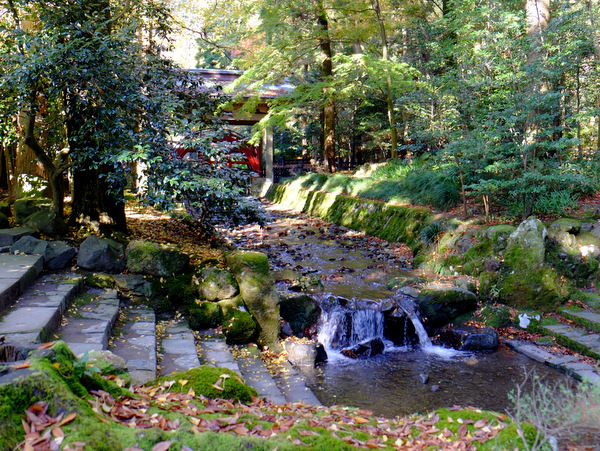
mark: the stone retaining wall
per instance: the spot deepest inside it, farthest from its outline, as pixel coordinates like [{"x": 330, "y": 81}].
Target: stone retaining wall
[{"x": 390, "y": 222}]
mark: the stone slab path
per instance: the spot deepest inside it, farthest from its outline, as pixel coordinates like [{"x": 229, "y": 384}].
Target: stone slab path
[
  {"x": 17, "y": 272},
  {"x": 35, "y": 316},
  {"x": 576, "y": 338},
  {"x": 178, "y": 349},
  {"x": 580, "y": 370},
  {"x": 91, "y": 326},
  {"x": 137, "y": 344}
]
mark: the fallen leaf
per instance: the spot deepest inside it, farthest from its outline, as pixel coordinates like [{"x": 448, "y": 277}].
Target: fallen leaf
[
  {"x": 162, "y": 446},
  {"x": 20, "y": 366},
  {"x": 46, "y": 345}
]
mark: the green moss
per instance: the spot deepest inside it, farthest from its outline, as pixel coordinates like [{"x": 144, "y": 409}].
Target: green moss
[
  {"x": 540, "y": 289},
  {"x": 203, "y": 379},
  {"x": 99, "y": 280},
  {"x": 507, "y": 438},
  {"x": 256, "y": 261},
  {"x": 496, "y": 316},
  {"x": 170, "y": 293},
  {"x": 204, "y": 315},
  {"x": 240, "y": 327},
  {"x": 578, "y": 270}
]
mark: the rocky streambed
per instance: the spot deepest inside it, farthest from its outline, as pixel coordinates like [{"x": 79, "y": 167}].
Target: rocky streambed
[{"x": 346, "y": 290}]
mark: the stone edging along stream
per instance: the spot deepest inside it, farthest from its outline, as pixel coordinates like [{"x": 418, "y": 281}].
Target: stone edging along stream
[{"x": 389, "y": 222}]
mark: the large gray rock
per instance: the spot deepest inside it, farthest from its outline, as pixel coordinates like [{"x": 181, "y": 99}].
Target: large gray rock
[
  {"x": 592, "y": 227},
  {"x": 101, "y": 254},
  {"x": 257, "y": 288},
  {"x": 59, "y": 254},
  {"x": 147, "y": 257},
  {"x": 301, "y": 311},
  {"x": 9, "y": 236},
  {"x": 440, "y": 304},
  {"x": 47, "y": 222},
  {"x": 470, "y": 339},
  {"x": 29, "y": 245},
  {"x": 23, "y": 208},
  {"x": 217, "y": 284},
  {"x": 302, "y": 353},
  {"x": 367, "y": 348},
  {"x": 133, "y": 283},
  {"x": 526, "y": 246}
]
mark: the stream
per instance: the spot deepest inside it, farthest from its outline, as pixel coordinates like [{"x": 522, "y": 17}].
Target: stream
[{"x": 405, "y": 378}]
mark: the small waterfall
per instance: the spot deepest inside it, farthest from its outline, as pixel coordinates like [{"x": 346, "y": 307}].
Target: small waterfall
[
  {"x": 409, "y": 309},
  {"x": 341, "y": 327}
]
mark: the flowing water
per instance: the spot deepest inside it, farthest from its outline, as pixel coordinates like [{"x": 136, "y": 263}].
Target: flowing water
[{"x": 410, "y": 376}]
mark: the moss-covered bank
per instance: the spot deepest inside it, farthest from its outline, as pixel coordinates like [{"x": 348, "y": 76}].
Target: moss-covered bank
[{"x": 390, "y": 222}]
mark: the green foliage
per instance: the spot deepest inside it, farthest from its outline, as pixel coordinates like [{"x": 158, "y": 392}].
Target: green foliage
[
  {"x": 535, "y": 414},
  {"x": 431, "y": 233}
]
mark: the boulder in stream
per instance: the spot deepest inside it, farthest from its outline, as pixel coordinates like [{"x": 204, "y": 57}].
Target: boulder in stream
[
  {"x": 441, "y": 304},
  {"x": 305, "y": 353},
  {"x": 364, "y": 349},
  {"x": 465, "y": 338}
]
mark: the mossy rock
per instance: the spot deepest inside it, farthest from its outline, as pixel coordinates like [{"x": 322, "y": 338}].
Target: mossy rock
[
  {"x": 589, "y": 244},
  {"x": 496, "y": 316},
  {"x": 204, "y": 315},
  {"x": 240, "y": 328},
  {"x": 300, "y": 311},
  {"x": 162, "y": 260},
  {"x": 5, "y": 209},
  {"x": 474, "y": 258},
  {"x": 257, "y": 288},
  {"x": 216, "y": 284},
  {"x": 526, "y": 246},
  {"x": 56, "y": 377},
  {"x": 4, "y": 223},
  {"x": 99, "y": 280},
  {"x": 441, "y": 304},
  {"x": 580, "y": 271},
  {"x": 229, "y": 305},
  {"x": 402, "y": 281},
  {"x": 47, "y": 222},
  {"x": 499, "y": 235},
  {"x": 170, "y": 293},
  {"x": 488, "y": 288},
  {"x": 540, "y": 289},
  {"x": 203, "y": 380},
  {"x": 565, "y": 225},
  {"x": 23, "y": 208}
]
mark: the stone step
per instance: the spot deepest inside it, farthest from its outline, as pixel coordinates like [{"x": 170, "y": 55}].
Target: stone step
[
  {"x": 585, "y": 318},
  {"x": 569, "y": 364},
  {"x": 137, "y": 343},
  {"x": 177, "y": 349},
  {"x": 215, "y": 352},
  {"x": 89, "y": 328},
  {"x": 36, "y": 315},
  {"x": 17, "y": 272},
  {"x": 257, "y": 375},
  {"x": 575, "y": 338}
]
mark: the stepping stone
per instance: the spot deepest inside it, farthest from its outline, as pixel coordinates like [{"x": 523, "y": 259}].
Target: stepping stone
[
  {"x": 17, "y": 272},
  {"x": 257, "y": 375},
  {"x": 178, "y": 350},
  {"x": 138, "y": 344},
  {"x": 590, "y": 320},
  {"x": 36, "y": 315},
  {"x": 574, "y": 337},
  {"x": 215, "y": 352},
  {"x": 90, "y": 330}
]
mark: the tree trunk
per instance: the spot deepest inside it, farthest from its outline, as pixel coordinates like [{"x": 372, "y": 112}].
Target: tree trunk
[
  {"x": 388, "y": 80},
  {"x": 329, "y": 110}
]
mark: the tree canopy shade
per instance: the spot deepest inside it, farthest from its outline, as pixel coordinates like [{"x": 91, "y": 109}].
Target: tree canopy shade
[
  {"x": 501, "y": 95},
  {"x": 95, "y": 97}
]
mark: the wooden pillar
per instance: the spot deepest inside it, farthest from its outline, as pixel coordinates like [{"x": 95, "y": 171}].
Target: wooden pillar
[{"x": 268, "y": 149}]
